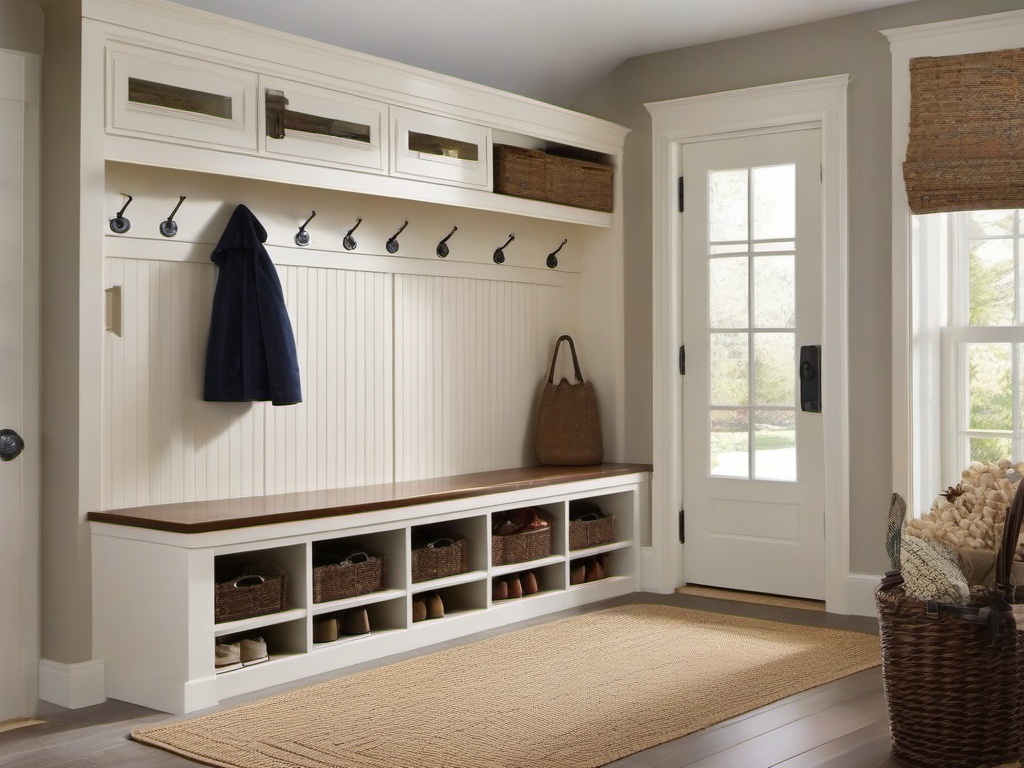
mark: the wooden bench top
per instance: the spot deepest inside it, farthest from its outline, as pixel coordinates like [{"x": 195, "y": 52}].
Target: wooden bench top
[{"x": 227, "y": 514}]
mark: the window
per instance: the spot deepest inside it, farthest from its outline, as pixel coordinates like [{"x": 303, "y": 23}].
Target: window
[{"x": 983, "y": 339}]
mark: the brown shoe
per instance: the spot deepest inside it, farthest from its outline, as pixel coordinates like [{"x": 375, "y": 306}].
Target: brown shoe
[
  {"x": 355, "y": 621},
  {"x": 435, "y": 607},
  {"x": 419, "y": 609},
  {"x": 594, "y": 570},
  {"x": 515, "y": 587},
  {"x": 577, "y": 572},
  {"x": 499, "y": 589},
  {"x": 529, "y": 581},
  {"x": 325, "y": 629}
]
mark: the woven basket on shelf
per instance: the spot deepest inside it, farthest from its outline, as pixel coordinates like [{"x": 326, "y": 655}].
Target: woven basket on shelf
[
  {"x": 591, "y": 531},
  {"x": 519, "y": 171},
  {"x": 340, "y": 575},
  {"x": 439, "y": 557},
  {"x": 954, "y": 675},
  {"x": 521, "y": 547},
  {"x": 248, "y": 589},
  {"x": 578, "y": 183}
]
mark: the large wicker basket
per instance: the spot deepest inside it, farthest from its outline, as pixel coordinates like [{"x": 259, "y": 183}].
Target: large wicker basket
[
  {"x": 521, "y": 547},
  {"x": 337, "y": 575},
  {"x": 538, "y": 175},
  {"x": 435, "y": 557},
  {"x": 954, "y": 677},
  {"x": 247, "y": 589},
  {"x": 591, "y": 530}
]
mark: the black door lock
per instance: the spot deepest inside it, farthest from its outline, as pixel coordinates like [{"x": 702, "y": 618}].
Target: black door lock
[{"x": 810, "y": 378}]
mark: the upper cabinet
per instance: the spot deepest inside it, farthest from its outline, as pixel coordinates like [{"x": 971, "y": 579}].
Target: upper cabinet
[{"x": 435, "y": 148}]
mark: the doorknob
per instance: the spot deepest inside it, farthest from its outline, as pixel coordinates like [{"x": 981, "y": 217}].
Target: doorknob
[{"x": 11, "y": 444}]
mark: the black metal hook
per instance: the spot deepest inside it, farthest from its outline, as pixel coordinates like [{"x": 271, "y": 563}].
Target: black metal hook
[
  {"x": 442, "y": 247},
  {"x": 392, "y": 243},
  {"x": 499, "y": 253},
  {"x": 302, "y": 236},
  {"x": 552, "y": 261},
  {"x": 169, "y": 228},
  {"x": 350, "y": 242},
  {"x": 119, "y": 224}
]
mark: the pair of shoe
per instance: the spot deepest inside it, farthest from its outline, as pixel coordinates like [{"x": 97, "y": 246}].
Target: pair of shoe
[
  {"x": 514, "y": 585},
  {"x": 516, "y": 521},
  {"x": 429, "y": 606},
  {"x": 244, "y": 653},
  {"x": 587, "y": 569},
  {"x": 327, "y": 628}
]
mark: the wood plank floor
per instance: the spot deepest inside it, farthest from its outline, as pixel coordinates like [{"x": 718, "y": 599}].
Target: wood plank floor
[{"x": 839, "y": 725}]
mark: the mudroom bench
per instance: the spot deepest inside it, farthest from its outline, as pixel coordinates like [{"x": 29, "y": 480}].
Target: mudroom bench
[{"x": 156, "y": 570}]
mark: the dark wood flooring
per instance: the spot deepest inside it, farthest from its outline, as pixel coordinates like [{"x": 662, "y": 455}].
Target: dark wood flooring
[{"x": 839, "y": 725}]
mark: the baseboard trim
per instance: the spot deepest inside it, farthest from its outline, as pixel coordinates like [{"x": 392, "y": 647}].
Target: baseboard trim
[
  {"x": 72, "y": 685},
  {"x": 860, "y": 594}
]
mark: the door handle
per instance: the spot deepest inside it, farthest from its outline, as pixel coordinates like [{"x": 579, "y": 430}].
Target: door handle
[
  {"x": 810, "y": 378},
  {"x": 11, "y": 445}
]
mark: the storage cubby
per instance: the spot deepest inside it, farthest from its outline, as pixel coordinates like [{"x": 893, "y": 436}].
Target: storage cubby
[
  {"x": 441, "y": 546},
  {"x": 383, "y": 552},
  {"x": 549, "y": 578},
  {"x": 458, "y": 599},
  {"x": 524, "y": 547},
  {"x": 244, "y": 568},
  {"x": 383, "y": 617},
  {"x": 283, "y": 640}
]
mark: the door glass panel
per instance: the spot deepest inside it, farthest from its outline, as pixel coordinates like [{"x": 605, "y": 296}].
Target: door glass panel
[
  {"x": 326, "y": 126},
  {"x": 774, "y": 371},
  {"x": 730, "y": 370},
  {"x": 443, "y": 146},
  {"x": 992, "y": 282},
  {"x": 727, "y": 205},
  {"x": 174, "y": 97},
  {"x": 727, "y": 298},
  {"x": 775, "y": 445},
  {"x": 774, "y": 201},
  {"x": 730, "y": 443},
  {"x": 775, "y": 292},
  {"x": 989, "y": 387}
]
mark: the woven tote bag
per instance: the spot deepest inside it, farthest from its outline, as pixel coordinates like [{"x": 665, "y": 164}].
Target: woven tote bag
[
  {"x": 568, "y": 423},
  {"x": 954, "y": 674}
]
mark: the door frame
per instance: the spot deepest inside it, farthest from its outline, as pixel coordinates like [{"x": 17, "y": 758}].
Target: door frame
[{"x": 818, "y": 102}]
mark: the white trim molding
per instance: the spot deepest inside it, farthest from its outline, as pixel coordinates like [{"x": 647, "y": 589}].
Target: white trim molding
[
  {"x": 819, "y": 102},
  {"x": 910, "y": 430},
  {"x": 72, "y": 685}
]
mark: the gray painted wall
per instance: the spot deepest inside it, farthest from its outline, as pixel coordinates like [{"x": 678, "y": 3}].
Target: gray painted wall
[
  {"x": 849, "y": 44},
  {"x": 21, "y": 26}
]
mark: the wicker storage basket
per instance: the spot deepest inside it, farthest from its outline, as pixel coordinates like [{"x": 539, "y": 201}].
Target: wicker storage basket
[
  {"x": 954, "y": 676},
  {"x": 337, "y": 575},
  {"x": 520, "y": 547},
  {"x": 591, "y": 530},
  {"x": 438, "y": 556},
  {"x": 578, "y": 183},
  {"x": 244, "y": 590},
  {"x": 519, "y": 171}
]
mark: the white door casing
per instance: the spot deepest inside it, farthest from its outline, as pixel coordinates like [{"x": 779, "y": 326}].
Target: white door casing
[
  {"x": 752, "y": 457},
  {"x": 819, "y": 102},
  {"x": 19, "y": 329}
]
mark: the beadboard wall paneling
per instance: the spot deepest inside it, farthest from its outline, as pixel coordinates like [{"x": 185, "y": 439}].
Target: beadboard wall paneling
[
  {"x": 469, "y": 359},
  {"x": 162, "y": 443}
]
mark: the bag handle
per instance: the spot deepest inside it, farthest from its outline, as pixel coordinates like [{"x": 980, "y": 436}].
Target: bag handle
[{"x": 575, "y": 360}]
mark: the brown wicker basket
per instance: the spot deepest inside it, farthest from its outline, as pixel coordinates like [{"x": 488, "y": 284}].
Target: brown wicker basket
[
  {"x": 439, "y": 557},
  {"x": 519, "y": 171},
  {"x": 338, "y": 575},
  {"x": 520, "y": 547},
  {"x": 591, "y": 530},
  {"x": 954, "y": 677},
  {"x": 578, "y": 183},
  {"x": 248, "y": 589}
]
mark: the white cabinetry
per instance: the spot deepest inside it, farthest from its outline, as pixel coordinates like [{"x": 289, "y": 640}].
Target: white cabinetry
[
  {"x": 436, "y": 148},
  {"x": 153, "y": 592}
]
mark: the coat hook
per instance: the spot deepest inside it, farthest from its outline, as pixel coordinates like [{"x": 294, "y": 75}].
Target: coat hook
[
  {"x": 552, "y": 261},
  {"x": 442, "y": 247},
  {"x": 392, "y": 243},
  {"x": 499, "y": 253},
  {"x": 302, "y": 236},
  {"x": 119, "y": 224},
  {"x": 169, "y": 228},
  {"x": 350, "y": 242}
]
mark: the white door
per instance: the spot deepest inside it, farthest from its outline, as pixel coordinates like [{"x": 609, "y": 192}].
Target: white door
[
  {"x": 752, "y": 457},
  {"x": 17, "y": 532}
]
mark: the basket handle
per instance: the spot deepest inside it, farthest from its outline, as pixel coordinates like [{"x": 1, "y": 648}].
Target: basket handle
[
  {"x": 575, "y": 360},
  {"x": 589, "y": 517},
  {"x": 439, "y": 543},
  {"x": 252, "y": 580},
  {"x": 357, "y": 557}
]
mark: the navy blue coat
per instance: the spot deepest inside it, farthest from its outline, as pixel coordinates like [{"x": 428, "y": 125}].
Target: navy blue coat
[{"x": 250, "y": 353}]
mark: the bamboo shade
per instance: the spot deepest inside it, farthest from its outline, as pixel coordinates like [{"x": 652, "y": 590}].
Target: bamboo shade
[{"x": 966, "y": 148}]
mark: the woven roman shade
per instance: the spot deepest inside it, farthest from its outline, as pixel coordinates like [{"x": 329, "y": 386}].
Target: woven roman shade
[{"x": 966, "y": 148}]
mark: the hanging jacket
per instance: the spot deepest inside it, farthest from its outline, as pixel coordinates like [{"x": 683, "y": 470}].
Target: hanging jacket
[{"x": 250, "y": 353}]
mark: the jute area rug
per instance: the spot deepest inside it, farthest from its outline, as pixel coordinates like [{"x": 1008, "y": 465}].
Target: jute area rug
[
  {"x": 751, "y": 597},
  {"x": 573, "y": 693}
]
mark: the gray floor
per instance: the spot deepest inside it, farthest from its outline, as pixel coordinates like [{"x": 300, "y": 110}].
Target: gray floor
[{"x": 838, "y": 725}]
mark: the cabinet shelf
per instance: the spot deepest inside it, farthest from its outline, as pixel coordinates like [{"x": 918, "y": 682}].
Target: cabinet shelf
[
  {"x": 357, "y": 601},
  {"x": 528, "y": 565},
  {"x": 448, "y": 615},
  {"x": 258, "y": 622},
  {"x": 376, "y": 634},
  {"x": 591, "y": 551},
  {"x": 448, "y": 581}
]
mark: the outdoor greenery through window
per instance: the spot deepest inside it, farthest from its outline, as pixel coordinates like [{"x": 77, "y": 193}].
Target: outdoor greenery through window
[{"x": 986, "y": 335}]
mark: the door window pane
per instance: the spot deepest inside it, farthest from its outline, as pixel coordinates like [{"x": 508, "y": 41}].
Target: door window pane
[
  {"x": 775, "y": 445},
  {"x": 774, "y": 369},
  {"x": 730, "y": 443},
  {"x": 989, "y": 387},
  {"x": 727, "y": 292},
  {"x": 774, "y": 201},
  {"x": 775, "y": 292},
  {"x": 727, "y": 205},
  {"x": 730, "y": 369}
]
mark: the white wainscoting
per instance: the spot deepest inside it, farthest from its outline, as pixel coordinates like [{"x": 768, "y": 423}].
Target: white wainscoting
[{"x": 403, "y": 377}]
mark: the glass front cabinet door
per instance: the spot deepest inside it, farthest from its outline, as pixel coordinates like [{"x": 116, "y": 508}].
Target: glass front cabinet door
[{"x": 434, "y": 148}]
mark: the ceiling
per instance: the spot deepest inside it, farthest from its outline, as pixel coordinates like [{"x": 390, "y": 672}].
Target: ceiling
[{"x": 546, "y": 49}]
